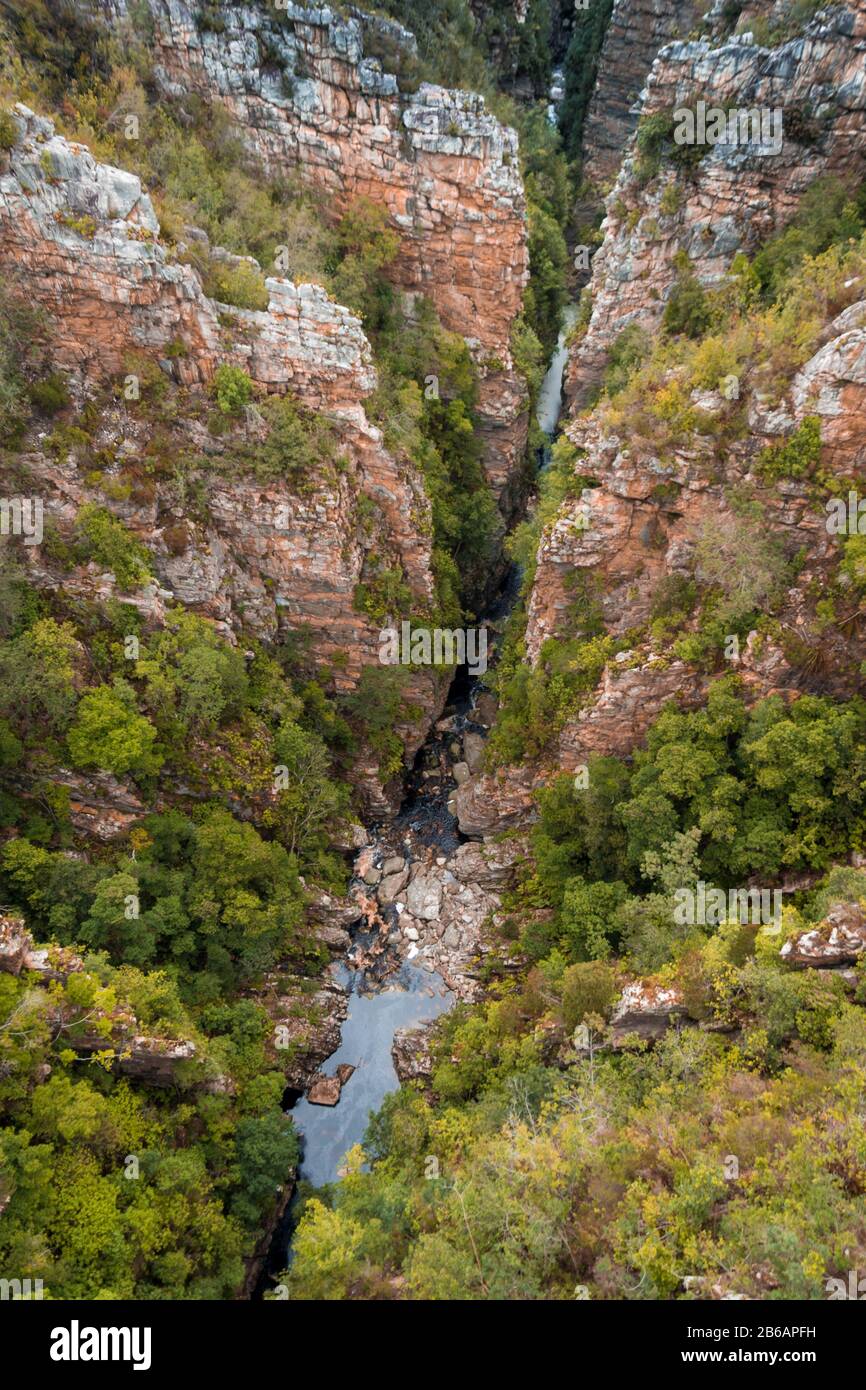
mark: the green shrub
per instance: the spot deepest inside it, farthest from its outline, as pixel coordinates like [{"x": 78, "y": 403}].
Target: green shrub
[
  {"x": 107, "y": 541},
  {"x": 587, "y": 988},
  {"x": 241, "y": 285},
  {"x": 628, "y": 350},
  {"x": 798, "y": 457},
  {"x": 688, "y": 309},
  {"x": 49, "y": 395},
  {"x": 830, "y": 212},
  {"x": 232, "y": 389},
  {"x": 8, "y": 130},
  {"x": 109, "y": 734}
]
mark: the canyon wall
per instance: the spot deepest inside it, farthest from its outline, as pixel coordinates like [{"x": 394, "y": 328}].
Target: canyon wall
[
  {"x": 638, "y": 527},
  {"x": 735, "y": 195},
  {"x": 309, "y": 95},
  {"x": 636, "y": 32},
  {"x": 265, "y": 556}
]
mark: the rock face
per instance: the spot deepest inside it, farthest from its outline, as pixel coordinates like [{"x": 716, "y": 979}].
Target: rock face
[
  {"x": 85, "y": 238},
  {"x": 736, "y": 194},
  {"x": 307, "y": 1022},
  {"x": 640, "y": 525},
  {"x": 486, "y": 804},
  {"x": 410, "y": 1051},
  {"x": 645, "y": 1010},
  {"x": 635, "y": 33},
  {"x": 839, "y": 940},
  {"x": 263, "y": 555},
  {"x": 308, "y": 94}
]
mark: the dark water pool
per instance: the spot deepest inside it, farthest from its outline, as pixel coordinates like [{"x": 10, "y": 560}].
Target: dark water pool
[{"x": 410, "y": 997}]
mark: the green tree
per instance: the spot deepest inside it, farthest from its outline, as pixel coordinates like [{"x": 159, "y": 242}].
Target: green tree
[{"x": 108, "y": 733}]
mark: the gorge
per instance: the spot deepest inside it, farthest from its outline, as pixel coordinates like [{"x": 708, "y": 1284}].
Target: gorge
[{"x": 327, "y": 977}]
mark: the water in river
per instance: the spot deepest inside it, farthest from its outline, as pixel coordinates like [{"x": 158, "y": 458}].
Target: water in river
[
  {"x": 550, "y": 396},
  {"x": 411, "y": 996},
  {"x": 408, "y": 996}
]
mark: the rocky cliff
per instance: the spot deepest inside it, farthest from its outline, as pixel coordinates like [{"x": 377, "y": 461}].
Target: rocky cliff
[
  {"x": 656, "y": 496},
  {"x": 310, "y": 95},
  {"x": 634, "y": 36},
  {"x": 267, "y": 556},
  {"x": 729, "y": 196},
  {"x": 642, "y": 523}
]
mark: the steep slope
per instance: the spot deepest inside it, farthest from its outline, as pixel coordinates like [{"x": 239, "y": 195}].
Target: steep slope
[
  {"x": 259, "y": 553},
  {"x": 309, "y": 94},
  {"x": 709, "y": 202},
  {"x": 634, "y": 35},
  {"x": 699, "y": 455}
]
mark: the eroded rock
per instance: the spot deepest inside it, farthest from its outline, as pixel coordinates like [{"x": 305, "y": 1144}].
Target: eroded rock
[{"x": 839, "y": 940}]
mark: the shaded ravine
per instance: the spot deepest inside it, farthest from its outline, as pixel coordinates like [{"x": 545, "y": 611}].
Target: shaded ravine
[{"x": 386, "y": 989}]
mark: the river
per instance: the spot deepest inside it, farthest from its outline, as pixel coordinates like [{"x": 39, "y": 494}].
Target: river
[{"x": 382, "y": 1000}]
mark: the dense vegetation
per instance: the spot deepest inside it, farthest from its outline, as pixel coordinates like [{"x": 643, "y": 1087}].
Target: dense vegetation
[
  {"x": 113, "y": 1186},
  {"x": 735, "y": 1166},
  {"x": 580, "y": 69},
  {"x": 729, "y": 1156}
]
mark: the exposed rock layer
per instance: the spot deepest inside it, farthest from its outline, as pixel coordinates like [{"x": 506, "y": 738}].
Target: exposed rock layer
[{"x": 307, "y": 97}]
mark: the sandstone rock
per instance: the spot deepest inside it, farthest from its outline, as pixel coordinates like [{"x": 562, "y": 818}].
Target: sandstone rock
[
  {"x": 352, "y": 836},
  {"x": 424, "y": 895},
  {"x": 839, "y": 940},
  {"x": 485, "y": 709},
  {"x": 473, "y": 750},
  {"x": 324, "y": 1090},
  {"x": 266, "y": 560},
  {"x": 335, "y": 938},
  {"x": 410, "y": 1051},
  {"x": 645, "y": 1010},
  {"x": 636, "y": 31},
  {"x": 306, "y": 1025},
  {"x": 332, "y": 914},
  {"x": 734, "y": 197},
  {"x": 445, "y": 169},
  {"x": 460, "y": 773},
  {"x": 490, "y": 865},
  {"x": 155, "y": 1061},
  {"x": 391, "y": 885},
  {"x": 486, "y": 804}
]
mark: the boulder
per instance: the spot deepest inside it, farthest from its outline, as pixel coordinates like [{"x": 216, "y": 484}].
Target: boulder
[
  {"x": 324, "y": 1090},
  {"x": 645, "y": 1010},
  {"x": 485, "y": 709},
  {"x": 424, "y": 896},
  {"x": 488, "y": 804},
  {"x": 392, "y": 884},
  {"x": 839, "y": 940},
  {"x": 473, "y": 750},
  {"x": 410, "y": 1051}
]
